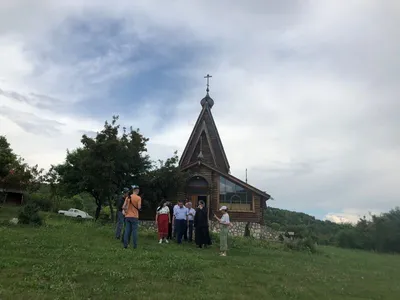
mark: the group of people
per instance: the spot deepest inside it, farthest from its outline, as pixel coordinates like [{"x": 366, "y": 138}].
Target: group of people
[{"x": 178, "y": 221}]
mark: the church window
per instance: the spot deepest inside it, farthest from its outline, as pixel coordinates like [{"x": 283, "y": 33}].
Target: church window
[{"x": 235, "y": 197}]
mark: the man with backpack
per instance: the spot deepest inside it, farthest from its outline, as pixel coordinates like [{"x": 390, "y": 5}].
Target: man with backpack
[
  {"x": 132, "y": 206},
  {"x": 120, "y": 215}
]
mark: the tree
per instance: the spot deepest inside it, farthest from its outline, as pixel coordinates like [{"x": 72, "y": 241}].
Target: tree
[
  {"x": 104, "y": 164},
  {"x": 379, "y": 233},
  {"x": 164, "y": 180},
  {"x": 55, "y": 188},
  {"x": 15, "y": 173},
  {"x": 7, "y": 157}
]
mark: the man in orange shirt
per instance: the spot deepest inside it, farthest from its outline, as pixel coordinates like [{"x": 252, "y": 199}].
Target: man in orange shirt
[{"x": 132, "y": 206}]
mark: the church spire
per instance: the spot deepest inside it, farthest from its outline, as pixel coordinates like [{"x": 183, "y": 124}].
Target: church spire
[
  {"x": 204, "y": 144},
  {"x": 207, "y": 100}
]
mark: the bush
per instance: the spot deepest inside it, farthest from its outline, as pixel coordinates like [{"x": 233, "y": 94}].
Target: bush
[
  {"x": 105, "y": 214},
  {"x": 30, "y": 215},
  {"x": 42, "y": 201},
  {"x": 77, "y": 202},
  {"x": 306, "y": 244},
  {"x": 275, "y": 226},
  {"x": 348, "y": 238}
]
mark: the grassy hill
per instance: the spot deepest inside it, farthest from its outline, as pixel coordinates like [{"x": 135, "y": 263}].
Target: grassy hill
[
  {"x": 323, "y": 232},
  {"x": 66, "y": 259}
]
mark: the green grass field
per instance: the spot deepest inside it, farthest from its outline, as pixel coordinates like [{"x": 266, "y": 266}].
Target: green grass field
[{"x": 66, "y": 259}]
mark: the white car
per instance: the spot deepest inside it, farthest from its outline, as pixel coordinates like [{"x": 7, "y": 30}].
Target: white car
[{"x": 76, "y": 213}]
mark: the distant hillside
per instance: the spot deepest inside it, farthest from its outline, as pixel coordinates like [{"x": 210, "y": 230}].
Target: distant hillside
[{"x": 323, "y": 232}]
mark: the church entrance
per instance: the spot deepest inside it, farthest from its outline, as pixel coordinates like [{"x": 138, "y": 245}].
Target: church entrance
[
  {"x": 195, "y": 199},
  {"x": 197, "y": 190}
]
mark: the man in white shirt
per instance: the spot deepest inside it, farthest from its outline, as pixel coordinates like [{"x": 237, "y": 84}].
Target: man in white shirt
[
  {"x": 181, "y": 217},
  {"x": 191, "y": 213}
]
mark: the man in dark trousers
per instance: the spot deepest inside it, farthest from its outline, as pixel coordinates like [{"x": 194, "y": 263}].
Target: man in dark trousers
[
  {"x": 120, "y": 216},
  {"x": 189, "y": 228},
  {"x": 181, "y": 218}
]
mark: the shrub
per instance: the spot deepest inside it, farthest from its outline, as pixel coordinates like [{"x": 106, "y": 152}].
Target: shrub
[
  {"x": 30, "y": 215},
  {"x": 42, "y": 201},
  {"x": 77, "y": 202},
  {"x": 306, "y": 244},
  {"x": 348, "y": 238},
  {"x": 105, "y": 214},
  {"x": 275, "y": 226}
]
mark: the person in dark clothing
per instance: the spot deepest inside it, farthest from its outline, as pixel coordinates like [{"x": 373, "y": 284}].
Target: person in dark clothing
[
  {"x": 120, "y": 216},
  {"x": 171, "y": 214},
  {"x": 202, "y": 234}
]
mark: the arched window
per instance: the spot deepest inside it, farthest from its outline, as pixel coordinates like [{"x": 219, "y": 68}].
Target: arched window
[{"x": 235, "y": 197}]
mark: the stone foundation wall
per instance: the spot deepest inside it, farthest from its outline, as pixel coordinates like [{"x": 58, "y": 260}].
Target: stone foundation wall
[{"x": 253, "y": 230}]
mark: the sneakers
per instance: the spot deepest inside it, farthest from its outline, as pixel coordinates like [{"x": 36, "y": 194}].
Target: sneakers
[
  {"x": 160, "y": 242},
  {"x": 166, "y": 241}
]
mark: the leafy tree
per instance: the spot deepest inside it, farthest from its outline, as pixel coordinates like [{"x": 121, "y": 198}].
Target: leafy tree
[
  {"x": 15, "y": 173},
  {"x": 104, "y": 165},
  {"x": 380, "y": 233},
  {"x": 55, "y": 188},
  {"x": 7, "y": 157},
  {"x": 164, "y": 180}
]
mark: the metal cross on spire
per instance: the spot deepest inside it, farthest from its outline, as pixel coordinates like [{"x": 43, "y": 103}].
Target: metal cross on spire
[{"x": 208, "y": 76}]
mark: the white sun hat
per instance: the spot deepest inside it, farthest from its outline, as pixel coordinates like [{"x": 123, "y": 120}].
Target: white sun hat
[{"x": 223, "y": 208}]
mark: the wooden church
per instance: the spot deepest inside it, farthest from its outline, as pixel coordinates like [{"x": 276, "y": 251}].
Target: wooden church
[{"x": 210, "y": 179}]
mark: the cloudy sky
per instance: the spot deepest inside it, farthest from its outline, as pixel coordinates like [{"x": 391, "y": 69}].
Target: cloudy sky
[{"x": 306, "y": 92}]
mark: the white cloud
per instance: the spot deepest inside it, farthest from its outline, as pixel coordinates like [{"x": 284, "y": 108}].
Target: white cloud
[
  {"x": 305, "y": 92},
  {"x": 342, "y": 218},
  {"x": 351, "y": 216}
]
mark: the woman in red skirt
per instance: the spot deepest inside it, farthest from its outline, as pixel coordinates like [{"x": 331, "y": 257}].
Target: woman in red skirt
[{"x": 162, "y": 220}]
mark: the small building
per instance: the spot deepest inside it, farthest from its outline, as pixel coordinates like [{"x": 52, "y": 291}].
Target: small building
[
  {"x": 13, "y": 196},
  {"x": 210, "y": 179}
]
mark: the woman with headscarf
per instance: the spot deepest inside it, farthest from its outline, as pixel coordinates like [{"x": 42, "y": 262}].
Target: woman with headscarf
[
  {"x": 202, "y": 234},
  {"x": 162, "y": 220}
]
